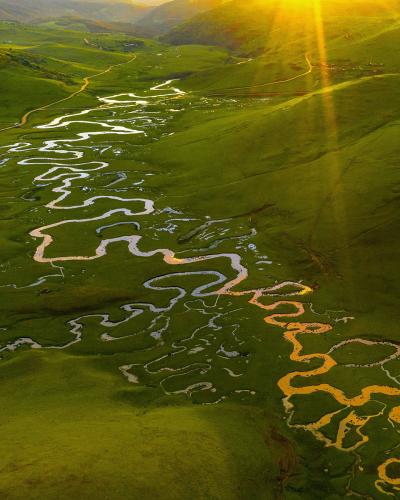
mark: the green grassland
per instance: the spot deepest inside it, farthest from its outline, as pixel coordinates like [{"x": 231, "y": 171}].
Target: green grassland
[
  {"x": 246, "y": 27},
  {"x": 71, "y": 428},
  {"x": 40, "y": 66},
  {"x": 305, "y": 170}
]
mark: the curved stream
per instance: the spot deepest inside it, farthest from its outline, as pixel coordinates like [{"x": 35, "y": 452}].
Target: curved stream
[{"x": 64, "y": 160}]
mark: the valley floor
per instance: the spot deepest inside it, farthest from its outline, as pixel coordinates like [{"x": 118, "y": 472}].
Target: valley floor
[{"x": 198, "y": 272}]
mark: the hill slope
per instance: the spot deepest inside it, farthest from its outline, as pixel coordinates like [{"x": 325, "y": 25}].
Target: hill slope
[
  {"x": 26, "y": 10},
  {"x": 166, "y": 16},
  {"x": 247, "y": 26}
]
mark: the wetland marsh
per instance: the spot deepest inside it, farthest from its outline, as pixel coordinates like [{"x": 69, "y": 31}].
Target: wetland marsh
[{"x": 196, "y": 287}]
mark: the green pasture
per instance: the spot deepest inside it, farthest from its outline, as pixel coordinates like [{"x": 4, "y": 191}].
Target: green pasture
[{"x": 299, "y": 177}]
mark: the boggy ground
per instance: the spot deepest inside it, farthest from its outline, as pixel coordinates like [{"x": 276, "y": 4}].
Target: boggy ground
[{"x": 118, "y": 398}]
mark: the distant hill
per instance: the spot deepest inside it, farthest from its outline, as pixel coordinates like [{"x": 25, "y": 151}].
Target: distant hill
[
  {"x": 150, "y": 17},
  {"x": 17, "y": 11},
  {"x": 162, "y": 19},
  {"x": 101, "y": 10},
  {"x": 246, "y": 25},
  {"x": 86, "y": 25}
]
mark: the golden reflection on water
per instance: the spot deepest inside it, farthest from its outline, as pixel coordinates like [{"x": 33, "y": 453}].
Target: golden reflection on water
[
  {"x": 352, "y": 421},
  {"x": 384, "y": 476},
  {"x": 395, "y": 415}
]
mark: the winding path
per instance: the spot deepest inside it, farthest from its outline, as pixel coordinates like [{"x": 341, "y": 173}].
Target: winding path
[
  {"x": 84, "y": 86},
  {"x": 309, "y": 70}
]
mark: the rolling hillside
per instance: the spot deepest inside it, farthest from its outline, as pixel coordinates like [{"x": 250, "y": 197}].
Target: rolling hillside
[
  {"x": 86, "y": 25},
  {"x": 168, "y": 15},
  {"x": 38, "y": 65},
  {"x": 109, "y": 11},
  {"x": 347, "y": 84},
  {"x": 250, "y": 26}
]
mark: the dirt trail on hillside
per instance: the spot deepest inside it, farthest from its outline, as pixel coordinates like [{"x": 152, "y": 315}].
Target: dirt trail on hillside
[{"x": 84, "y": 86}]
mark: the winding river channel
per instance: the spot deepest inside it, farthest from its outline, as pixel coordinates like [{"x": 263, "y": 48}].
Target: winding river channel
[{"x": 216, "y": 298}]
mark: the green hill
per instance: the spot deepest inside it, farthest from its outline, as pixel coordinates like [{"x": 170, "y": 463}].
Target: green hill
[
  {"x": 103, "y": 10},
  {"x": 41, "y": 65},
  {"x": 248, "y": 26},
  {"x": 161, "y": 19},
  {"x": 320, "y": 148},
  {"x": 86, "y": 25}
]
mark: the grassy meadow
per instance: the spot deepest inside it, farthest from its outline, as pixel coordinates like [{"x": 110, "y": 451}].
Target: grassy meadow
[{"x": 283, "y": 154}]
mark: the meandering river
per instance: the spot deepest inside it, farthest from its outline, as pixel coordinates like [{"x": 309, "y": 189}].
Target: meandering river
[{"x": 218, "y": 293}]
